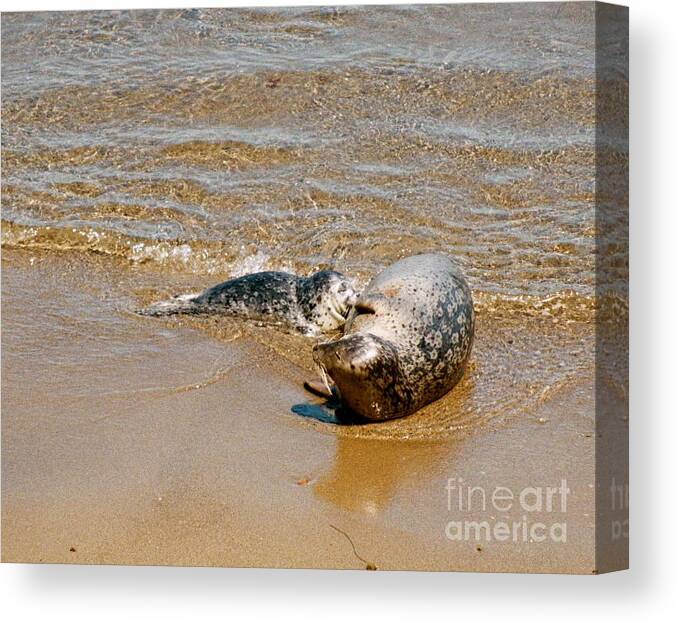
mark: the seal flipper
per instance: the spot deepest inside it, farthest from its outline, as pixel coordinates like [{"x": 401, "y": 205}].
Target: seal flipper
[{"x": 179, "y": 304}]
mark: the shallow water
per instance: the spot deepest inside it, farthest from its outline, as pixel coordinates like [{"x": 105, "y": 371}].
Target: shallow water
[{"x": 204, "y": 144}]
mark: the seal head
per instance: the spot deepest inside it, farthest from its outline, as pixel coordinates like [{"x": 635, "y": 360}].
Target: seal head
[
  {"x": 367, "y": 374},
  {"x": 325, "y": 299}
]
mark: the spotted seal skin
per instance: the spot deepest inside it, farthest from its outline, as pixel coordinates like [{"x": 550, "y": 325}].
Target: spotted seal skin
[
  {"x": 308, "y": 305},
  {"x": 406, "y": 342}
]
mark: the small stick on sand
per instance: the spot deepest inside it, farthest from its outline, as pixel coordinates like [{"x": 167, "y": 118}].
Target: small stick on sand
[{"x": 368, "y": 564}]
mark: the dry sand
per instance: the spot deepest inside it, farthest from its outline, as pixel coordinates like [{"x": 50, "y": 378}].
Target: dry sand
[{"x": 128, "y": 441}]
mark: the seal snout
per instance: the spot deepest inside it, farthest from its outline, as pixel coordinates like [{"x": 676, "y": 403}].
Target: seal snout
[
  {"x": 330, "y": 356},
  {"x": 351, "y": 298},
  {"x": 320, "y": 352},
  {"x": 351, "y": 354},
  {"x": 346, "y": 297}
]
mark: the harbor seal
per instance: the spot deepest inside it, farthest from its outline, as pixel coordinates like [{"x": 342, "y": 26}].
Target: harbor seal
[
  {"x": 406, "y": 341},
  {"x": 310, "y": 305}
]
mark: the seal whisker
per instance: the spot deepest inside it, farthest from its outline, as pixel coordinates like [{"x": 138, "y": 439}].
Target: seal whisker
[{"x": 322, "y": 371}]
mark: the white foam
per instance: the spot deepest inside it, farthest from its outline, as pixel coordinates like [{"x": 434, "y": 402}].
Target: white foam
[{"x": 250, "y": 264}]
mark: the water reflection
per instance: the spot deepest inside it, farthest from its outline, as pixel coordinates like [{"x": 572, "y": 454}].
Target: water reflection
[{"x": 367, "y": 475}]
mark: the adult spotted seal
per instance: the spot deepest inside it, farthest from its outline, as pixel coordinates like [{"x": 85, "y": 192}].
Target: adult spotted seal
[
  {"x": 309, "y": 305},
  {"x": 406, "y": 342}
]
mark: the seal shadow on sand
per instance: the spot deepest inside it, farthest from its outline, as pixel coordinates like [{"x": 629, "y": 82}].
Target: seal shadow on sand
[{"x": 329, "y": 411}]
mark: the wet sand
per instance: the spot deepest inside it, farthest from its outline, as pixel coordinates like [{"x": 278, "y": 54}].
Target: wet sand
[{"x": 132, "y": 441}]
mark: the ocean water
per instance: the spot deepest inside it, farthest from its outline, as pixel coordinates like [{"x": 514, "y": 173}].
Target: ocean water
[{"x": 204, "y": 144}]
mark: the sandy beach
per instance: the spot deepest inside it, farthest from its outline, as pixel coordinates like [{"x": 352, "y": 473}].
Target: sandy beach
[{"x": 165, "y": 446}]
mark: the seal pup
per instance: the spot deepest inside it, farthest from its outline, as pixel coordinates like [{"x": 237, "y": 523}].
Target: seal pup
[
  {"x": 310, "y": 305},
  {"x": 406, "y": 341}
]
